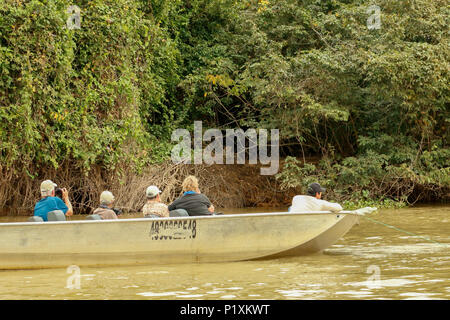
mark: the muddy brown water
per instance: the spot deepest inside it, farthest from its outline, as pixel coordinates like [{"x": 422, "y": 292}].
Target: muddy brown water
[{"x": 371, "y": 262}]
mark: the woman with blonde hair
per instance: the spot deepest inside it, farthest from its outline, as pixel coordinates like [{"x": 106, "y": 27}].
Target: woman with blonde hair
[{"x": 192, "y": 200}]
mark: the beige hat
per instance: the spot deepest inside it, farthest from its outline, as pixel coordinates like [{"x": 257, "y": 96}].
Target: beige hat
[
  {"x": 47, "y": 185},
  {"x": 152, "y": 191},
  {"x": 106, "y": 197}
]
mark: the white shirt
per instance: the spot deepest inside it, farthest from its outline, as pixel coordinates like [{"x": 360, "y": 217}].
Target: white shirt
[{"x": 308, "y": 203}]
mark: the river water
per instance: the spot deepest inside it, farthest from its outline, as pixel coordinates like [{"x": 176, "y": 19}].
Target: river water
[{"x": 372, "y": 261}]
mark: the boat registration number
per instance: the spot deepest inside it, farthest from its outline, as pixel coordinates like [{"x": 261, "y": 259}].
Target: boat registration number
[{"x": 173, "y": 230}]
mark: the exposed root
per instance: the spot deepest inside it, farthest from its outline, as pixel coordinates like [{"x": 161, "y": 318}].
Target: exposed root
[{"x": 227, "y": 186}]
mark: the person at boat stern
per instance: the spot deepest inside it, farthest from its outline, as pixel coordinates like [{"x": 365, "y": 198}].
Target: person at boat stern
[
  {"x": 192, "y": 200},
  {"x": 154, "y": 206},
  {"x": 50, "y": 203},
  {"x": 105, "y": 209},
  {"x": 313, "y": 201}
]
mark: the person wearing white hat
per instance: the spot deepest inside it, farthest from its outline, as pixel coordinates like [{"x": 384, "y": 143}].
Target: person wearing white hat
[
  {"x": 49, "y": 202},
  {"x": 154, "y": 205},
  {"x": 105, "y": 210}
]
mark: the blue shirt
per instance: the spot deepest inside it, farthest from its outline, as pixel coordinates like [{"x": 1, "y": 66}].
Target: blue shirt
[{"x": 48, "y": 204}]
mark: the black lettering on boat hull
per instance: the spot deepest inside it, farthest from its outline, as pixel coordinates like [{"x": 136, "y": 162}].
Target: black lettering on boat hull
[{"x": 173, "y": 230}]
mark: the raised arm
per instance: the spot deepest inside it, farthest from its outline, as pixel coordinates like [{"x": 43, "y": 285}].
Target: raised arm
[
  {"x": 330, "y": 206},
  {"x": 66, "y": 200}
]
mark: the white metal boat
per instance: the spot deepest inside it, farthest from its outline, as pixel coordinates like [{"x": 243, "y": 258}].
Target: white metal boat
[{"x": 218, "y": 238}]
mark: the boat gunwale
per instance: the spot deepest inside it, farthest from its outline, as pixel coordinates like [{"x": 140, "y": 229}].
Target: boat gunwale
[{"x": 222, "y": 216}]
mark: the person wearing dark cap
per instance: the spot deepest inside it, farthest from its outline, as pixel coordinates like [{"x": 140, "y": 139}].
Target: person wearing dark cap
[{"x": 313, "y": 201}]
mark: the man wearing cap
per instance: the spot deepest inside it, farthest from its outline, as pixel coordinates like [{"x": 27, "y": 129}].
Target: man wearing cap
[
  {"x": 49, "y": 202},
  {"x": 105, "y": 209},
  {"x": 312, "y": 201},
  {"x": 154, "y": 205}
]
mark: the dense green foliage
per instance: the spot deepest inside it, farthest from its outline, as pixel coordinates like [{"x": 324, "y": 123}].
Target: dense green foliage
[
  {"x": 88, "y": 95},
  {"x": 372, "y": 103}
]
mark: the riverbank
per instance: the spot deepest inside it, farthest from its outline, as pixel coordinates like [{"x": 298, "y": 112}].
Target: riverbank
[
  {"x": 94, "y": 107},
  {"x": 227, "y": 186}
]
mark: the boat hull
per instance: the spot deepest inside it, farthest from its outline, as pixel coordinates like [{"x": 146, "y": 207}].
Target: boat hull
[{"x": 168, "y": 240}]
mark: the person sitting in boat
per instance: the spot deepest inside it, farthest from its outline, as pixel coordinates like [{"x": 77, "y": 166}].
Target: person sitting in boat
[
  {"x": 313, "y": 201},
  {"x": 50, "y": 203},
  {"x": 105, "y": 210},
  {"x": 192, "y": 200},
  {"x": 154, "y": 206}
]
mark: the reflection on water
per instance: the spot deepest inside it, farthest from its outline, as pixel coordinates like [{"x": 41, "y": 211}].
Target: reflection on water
[{"x": 370, "y": 262}]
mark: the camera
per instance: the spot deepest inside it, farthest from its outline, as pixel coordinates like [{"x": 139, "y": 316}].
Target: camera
[{"x": 58, "y": 193}]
